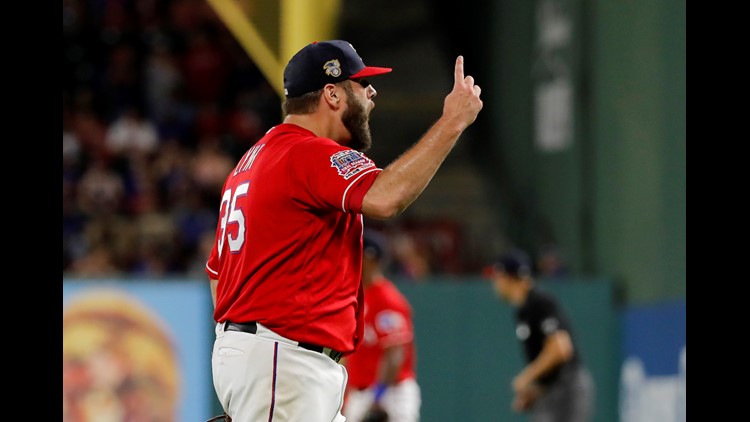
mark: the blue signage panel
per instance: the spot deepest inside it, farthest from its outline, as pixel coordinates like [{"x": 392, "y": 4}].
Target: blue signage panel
[{"x": 653, "y": 374}]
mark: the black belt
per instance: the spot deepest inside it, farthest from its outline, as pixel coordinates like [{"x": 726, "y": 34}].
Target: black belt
[{"x": 252, "y": 328}]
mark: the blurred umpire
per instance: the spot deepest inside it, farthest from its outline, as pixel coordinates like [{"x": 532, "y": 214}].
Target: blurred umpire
[{"x": 555, "y": 385}]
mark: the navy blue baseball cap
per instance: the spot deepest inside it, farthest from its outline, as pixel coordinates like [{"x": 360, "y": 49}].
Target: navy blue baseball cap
[
  {"x": 324, "y": 62},
  {"x": 373, "y": 244},
  {"x": 515, "y": 263}
]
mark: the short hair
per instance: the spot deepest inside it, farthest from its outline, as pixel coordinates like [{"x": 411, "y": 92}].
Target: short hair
[
  {"x": 304, "y": 104},
  {"x": 308, "y": 103}
]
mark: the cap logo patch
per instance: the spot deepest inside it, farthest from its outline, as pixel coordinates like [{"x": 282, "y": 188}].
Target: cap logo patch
[
  {"x": 349, "y": 163},
  {"x": 333, "y": 68}
]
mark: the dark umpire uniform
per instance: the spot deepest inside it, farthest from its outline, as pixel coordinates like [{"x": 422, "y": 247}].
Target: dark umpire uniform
[{"x": 563, "y": 389}]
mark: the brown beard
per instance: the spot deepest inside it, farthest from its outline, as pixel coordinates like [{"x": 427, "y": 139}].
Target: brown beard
[{"x": 356, "y": 121}]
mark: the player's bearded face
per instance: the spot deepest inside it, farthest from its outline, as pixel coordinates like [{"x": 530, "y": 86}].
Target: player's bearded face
[{"x": 356, "y": 121}]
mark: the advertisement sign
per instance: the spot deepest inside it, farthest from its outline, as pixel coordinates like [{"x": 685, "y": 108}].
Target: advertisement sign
[
  {"x": 136, "y": 351},
  {"x": 653, "y": 380}
]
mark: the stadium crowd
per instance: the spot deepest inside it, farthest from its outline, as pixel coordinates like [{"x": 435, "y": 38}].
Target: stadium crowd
[{"x": 159, "y": 100}]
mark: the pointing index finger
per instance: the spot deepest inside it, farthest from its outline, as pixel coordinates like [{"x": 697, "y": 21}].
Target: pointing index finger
[{"x": 458, "y": 73}]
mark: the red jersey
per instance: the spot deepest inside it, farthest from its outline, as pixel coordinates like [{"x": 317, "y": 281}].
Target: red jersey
[
  {"x": 388, "y": 322},
  {"x": 288, "y": 248}
]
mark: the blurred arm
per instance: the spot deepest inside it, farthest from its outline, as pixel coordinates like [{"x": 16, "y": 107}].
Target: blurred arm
[
  {"x": 214, "y": 283},
  {"x": 558, "y": 349},
  {"x": 393, "y": 358}
]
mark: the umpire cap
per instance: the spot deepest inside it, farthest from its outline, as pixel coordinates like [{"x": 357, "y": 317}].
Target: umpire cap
[
  {"x": 324, "y": 62},
  {"x": 515, "y": 263}
]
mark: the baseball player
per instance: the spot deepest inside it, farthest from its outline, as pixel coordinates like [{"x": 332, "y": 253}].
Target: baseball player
[
  {"x": 382, "y": 377},
  {"x": 555, "y": 385},
  {"x": 286, "y": 265}
]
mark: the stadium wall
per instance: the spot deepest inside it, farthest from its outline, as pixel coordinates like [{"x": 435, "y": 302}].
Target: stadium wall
[{"x": 467, "y": 352}]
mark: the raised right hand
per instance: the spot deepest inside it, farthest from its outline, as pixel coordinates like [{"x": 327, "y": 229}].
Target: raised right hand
[{"x": 462, "y": 104}]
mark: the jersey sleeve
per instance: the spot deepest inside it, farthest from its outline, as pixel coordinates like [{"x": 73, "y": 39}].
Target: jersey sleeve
[
  {"x": 392, "y": 328},
  {"x": 550, "y": 320},
  {"x": 331, "y": 176},
  {"x": 392, "y": 320}
]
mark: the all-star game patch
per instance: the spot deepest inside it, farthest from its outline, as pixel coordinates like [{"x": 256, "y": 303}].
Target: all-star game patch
[{"x": 349, "y": 163}]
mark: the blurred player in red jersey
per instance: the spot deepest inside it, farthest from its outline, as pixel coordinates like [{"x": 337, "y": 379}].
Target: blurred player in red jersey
[
  {"x": 382, "y": 376},
  {"x": 286, "y": 265}
]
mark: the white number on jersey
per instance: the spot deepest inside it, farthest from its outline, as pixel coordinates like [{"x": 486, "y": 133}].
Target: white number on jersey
[{"x": 232, "y": 215}]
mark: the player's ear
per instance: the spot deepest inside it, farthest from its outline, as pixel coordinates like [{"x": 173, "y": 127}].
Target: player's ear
[{"x": 331, "y": 96}]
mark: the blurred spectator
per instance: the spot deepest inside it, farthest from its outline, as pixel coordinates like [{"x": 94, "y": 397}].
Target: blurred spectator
[
  {"x": 208, "y": 122},
  {"x": 171, "y": 173},
  {"x": 101, "y": 190},
  {"x": 205, "y": 67},
  {"x": 131, "y": 134},
  {"x": 244, "y": 123},
  {"x": 104, "y": 249},
  {"x": 210, "y": 166},
  {"x": 96, "y": 262},
  {"x": 90, "y": 131},
  {"x": 162, "y": 79},
  {"x": 550, "y": 263},
  {"x": 74, "y": 223},
  {"x": 122, "y": 79},
  {"x": 197, "y": 261},
  {"x": 409, "y": 260},
  {"x": 72, "y": 149},
  {"x": 156, "y": 244}
]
